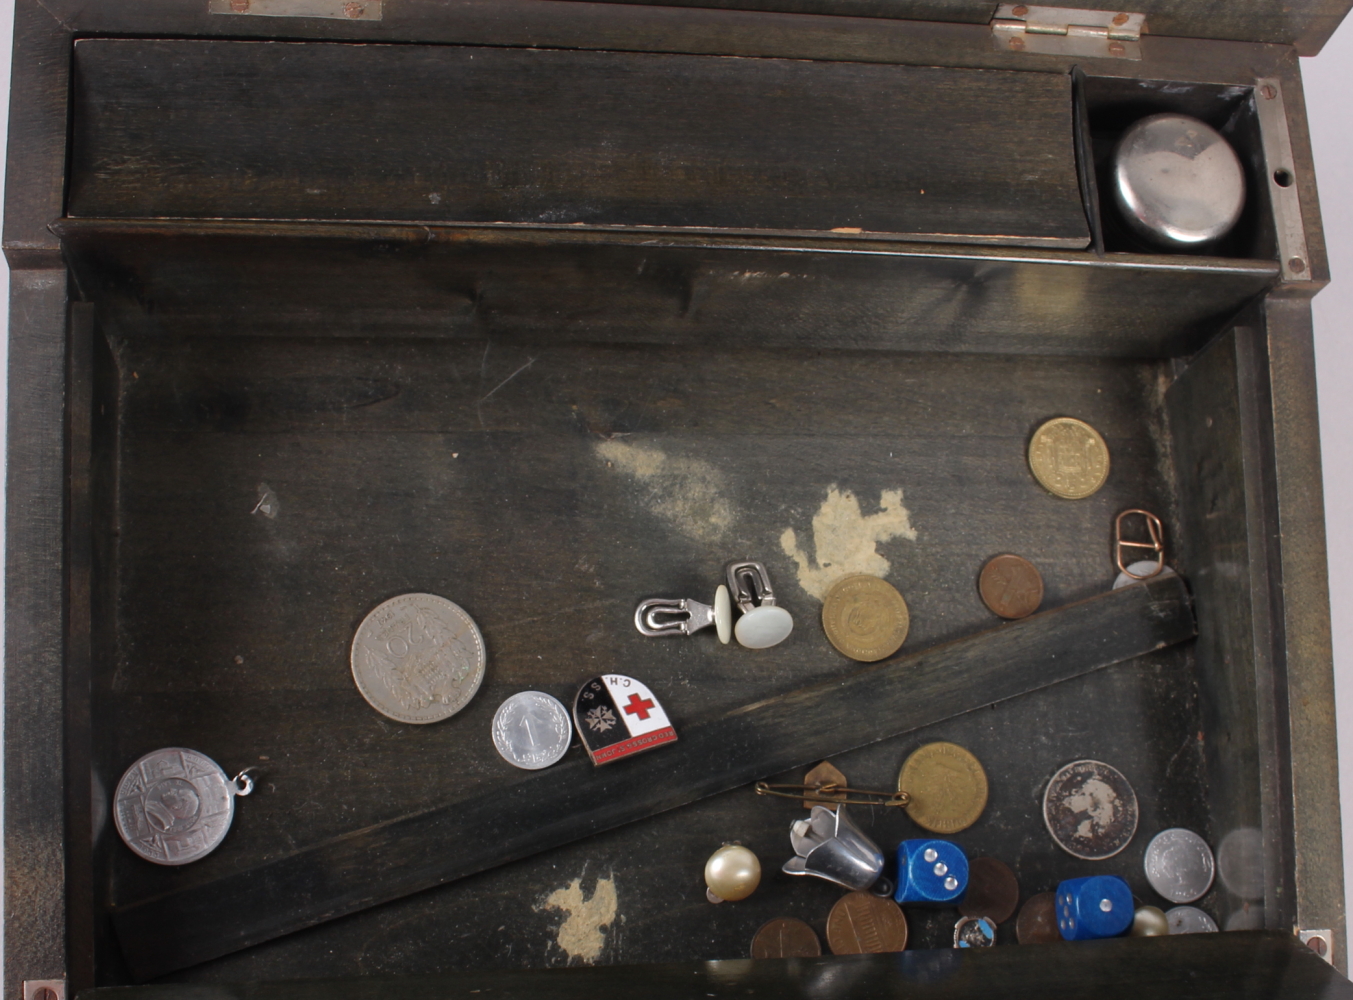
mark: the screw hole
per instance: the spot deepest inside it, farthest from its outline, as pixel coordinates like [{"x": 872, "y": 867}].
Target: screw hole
[
  {"x": 1282, "y": 177},
  {"x": 1318, "y": 945},
  {"x": 1297, "y": 265}
]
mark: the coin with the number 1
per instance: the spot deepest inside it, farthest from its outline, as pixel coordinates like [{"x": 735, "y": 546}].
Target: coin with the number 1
[{"x": 532, "y": 730}]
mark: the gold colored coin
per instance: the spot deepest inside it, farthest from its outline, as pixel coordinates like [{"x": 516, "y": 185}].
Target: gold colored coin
[
  {"x": 1069, "y": 458},
  {"x": 864, "y": 924},
  {"x": 865, "y": 617},
  {"x": 947, "y": 785}
]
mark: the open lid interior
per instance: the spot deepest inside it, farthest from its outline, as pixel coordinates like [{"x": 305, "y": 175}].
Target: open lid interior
[{"x": 1307, "y": 24}]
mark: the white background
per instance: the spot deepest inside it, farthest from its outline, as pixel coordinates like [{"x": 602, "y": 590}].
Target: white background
[{"x": 1329, "y": 103}]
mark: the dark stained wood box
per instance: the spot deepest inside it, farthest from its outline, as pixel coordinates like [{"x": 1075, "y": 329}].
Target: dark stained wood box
[{"x": 549, "y": 306}]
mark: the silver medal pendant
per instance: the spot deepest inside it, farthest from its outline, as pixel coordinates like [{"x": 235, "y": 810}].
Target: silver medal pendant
[{"x": 174, "y": 805}]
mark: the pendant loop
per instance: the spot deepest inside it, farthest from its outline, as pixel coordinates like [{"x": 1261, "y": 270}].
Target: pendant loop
[
  {"x": 1155, "y": 531},
  {"x": 244, "y": 782}
]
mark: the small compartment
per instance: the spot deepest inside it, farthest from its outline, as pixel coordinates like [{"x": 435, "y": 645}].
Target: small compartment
[{"x": 1111, "y": 105}]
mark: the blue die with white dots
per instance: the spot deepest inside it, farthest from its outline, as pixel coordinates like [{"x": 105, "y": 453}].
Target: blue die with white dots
[
  {"x": 1098, "y": 906},
  {"x": 931, "y": 872}
]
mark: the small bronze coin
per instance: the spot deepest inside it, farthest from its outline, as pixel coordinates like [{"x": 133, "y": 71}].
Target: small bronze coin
[
  {"x": 1011, "y": 587},
  {"x": 864, "y": 924},
  {"x": 785, "y": 937},
  {"x": 1069, "y": 458},
  {"x": 824, "y": 774},
  {"x": 1090, "y": 810},
  {"x": 993, "y": 891},
  {"x": 865, "y": 617},
  {"x": 1037, "y": 923},
  {"x": 947, "y": 785}
]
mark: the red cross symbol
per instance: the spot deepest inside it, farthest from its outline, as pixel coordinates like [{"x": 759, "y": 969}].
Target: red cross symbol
[{"x": 639, "y": 706}]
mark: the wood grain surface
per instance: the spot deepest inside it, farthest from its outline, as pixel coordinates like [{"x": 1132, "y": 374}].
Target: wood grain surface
[{"x": 513, "y": 136}]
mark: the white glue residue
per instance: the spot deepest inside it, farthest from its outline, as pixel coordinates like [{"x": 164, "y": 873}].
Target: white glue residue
[
  {"x": 844, "y": 540},
  {"x": 582, "y": 935},
  {"x": 685, "y": 492},
  {"x": 1099, "y": 802}
]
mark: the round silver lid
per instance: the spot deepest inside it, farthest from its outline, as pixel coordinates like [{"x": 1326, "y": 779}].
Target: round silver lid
[{"x": 1177, "y": 182}]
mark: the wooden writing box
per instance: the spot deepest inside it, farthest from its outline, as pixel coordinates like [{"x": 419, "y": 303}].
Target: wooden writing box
[{"x": 548, "y": 307}]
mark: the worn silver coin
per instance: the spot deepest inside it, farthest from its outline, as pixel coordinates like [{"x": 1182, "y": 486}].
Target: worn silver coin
[
  {"x": 174, "y": 805},
  {"x": 1090, "y": 810},
  {"x": 418, "y": 658},
  {"x": 1190, "y": 920},
  {"x": 1179, "y": 865},
  {"x": 532, "y": 730}
]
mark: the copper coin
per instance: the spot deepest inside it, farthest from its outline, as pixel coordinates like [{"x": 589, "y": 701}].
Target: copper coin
[
  {"x": 785, "y": 937},
  {"x": 864, "y": 924},
  {"x": 1011, "y": 587},
  {"x": 824, "y": 774},
  {"x": 993, "y": 891},
  {"x": 1090, "y": 810},
  {"x": 1037, "y": 922}
]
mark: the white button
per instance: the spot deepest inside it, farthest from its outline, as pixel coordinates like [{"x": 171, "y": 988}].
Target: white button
[
  {"x": 764, "y": 627},
  {"x": 723, "y": 614}
]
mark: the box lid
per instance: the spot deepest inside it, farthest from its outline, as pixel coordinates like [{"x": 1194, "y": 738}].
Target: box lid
[{"x": 1307, "y": 24}]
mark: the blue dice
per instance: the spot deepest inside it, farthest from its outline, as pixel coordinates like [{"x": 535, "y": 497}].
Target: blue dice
[
  {"x": 931, "y": 873},
  {"x": 1099, "y": 906}
]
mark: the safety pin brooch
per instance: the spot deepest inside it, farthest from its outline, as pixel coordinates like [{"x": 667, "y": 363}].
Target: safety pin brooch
[{"x": 833, "y": 793}]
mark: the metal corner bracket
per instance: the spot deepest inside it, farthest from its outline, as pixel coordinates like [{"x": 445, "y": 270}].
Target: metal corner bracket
[
  {"x": 1280, "y": 177},
  {"x": 1319, "y": 941},
  {"x": 1063, "y": 31},
  {"x": 44, "y": 989}
]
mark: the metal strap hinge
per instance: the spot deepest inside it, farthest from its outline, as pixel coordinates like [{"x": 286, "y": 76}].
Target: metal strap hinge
[{"x": 1065, "y": 31}]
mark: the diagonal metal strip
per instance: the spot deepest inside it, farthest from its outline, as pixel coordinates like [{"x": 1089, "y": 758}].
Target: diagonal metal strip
[{"x": 574, "y": 800}]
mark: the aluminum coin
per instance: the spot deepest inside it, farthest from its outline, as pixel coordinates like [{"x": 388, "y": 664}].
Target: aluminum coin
[
  {"x": 1010, "y": 586},
  {"x": 786, "y": 937},
  {"x": 993, "y": 891},
  {"x": 174, "y": 805},
  {"x": 532, "y": 730},
  {"x": 864, "y": 924},
  {"x": 974, "y": 932},
  {"x": 1179, "y": 865},
  {"x": 1037, "y": 923},
  {"x": 418, "y": 658},
  {"x": 947, "y": 785},
  {"x": 1069, "y": 458},
  {"x": 865, "y": 617},
  {"x": 1090, "y": 810},
  {"x": 1190, "y": 920}
]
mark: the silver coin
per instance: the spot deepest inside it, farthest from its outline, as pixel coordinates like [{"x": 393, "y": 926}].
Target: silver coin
[
  {"x": 1090, "y": 810},
  {"x": 174, "y": 806},
  {"x": 418, "y": 658},
  {"x": 1190, "y": 920},
  {"x": 532, "y": 730},
  {"x": 1179, "y": 865}
]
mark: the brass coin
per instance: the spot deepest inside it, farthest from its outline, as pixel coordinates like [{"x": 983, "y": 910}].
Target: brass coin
[
  {"x": 1037, "y": 923},
  {"x": 993, "y": 891},
  {"x": 1069, "y": 458},
  {"x": 785, "y": 937},
  {"x": 947, "y": 785},
  {"x": 865, "y": 617},
  {"x": 825, "y": 773},
  {"x": 864, "y": 924},
  {"x": 1011, "y": 587}
]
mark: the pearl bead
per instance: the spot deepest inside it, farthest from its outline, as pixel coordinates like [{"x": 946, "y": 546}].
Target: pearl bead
[
  {"x": 732, "y": 872},
  {"x": 764, "y": 626},
  {"x": 1149, "y": 921}
]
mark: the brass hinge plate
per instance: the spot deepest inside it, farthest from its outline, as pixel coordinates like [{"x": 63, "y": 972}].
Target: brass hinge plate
[{"x": 1064, "y": 31}]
